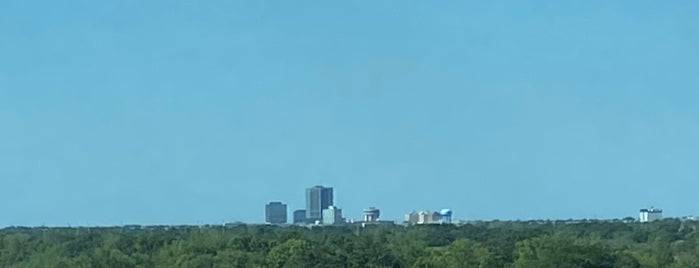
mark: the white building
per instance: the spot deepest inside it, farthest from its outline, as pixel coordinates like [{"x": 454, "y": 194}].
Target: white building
[
  {"x": 424, "y": 217},
  {"x": 371, "y": 214},
  {"x": 650, "y": 214},
  {"x": 332, "y": 215},
  {"x": 411, "y": 218}
]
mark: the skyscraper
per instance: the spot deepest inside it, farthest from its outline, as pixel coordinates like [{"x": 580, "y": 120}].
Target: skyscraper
[
  {"x": 275, "y": 213},
  {"x": 317, "y": 199}
]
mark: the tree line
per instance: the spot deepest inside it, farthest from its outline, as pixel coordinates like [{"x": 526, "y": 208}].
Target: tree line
[{"x": 667, "y": 243}]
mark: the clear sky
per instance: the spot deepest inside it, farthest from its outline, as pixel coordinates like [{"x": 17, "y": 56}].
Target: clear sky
[{"x": 169, "y": 112}]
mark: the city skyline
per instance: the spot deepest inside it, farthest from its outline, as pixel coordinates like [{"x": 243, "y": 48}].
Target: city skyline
[
  {"x": 186, "y": 112},
  {"x": 320, "y": 198}
]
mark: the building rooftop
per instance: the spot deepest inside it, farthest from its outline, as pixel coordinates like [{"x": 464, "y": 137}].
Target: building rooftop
[{"x": 651, "y": 210}]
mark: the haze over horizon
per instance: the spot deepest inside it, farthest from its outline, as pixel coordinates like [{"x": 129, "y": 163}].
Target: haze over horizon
[{"x": 171, "y": 112}]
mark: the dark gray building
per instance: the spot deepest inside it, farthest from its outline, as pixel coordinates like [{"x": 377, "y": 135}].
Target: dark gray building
[
  {"x": 300, "y": 216},
  {"x": 317, "y": 199},
  {"x": 275, "y": 213}
]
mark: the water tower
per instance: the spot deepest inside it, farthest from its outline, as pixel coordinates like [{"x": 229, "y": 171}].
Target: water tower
[{"x": 446, "y": 215}]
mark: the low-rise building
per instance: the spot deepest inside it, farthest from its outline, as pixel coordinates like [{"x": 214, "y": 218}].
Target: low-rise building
[
  {"x": 332, "y": 216},
  {"x": 300, "y": 216},
  {"x": 371, "y": 214}
]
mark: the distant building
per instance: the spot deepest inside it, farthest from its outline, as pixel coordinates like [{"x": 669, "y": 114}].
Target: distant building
[
  {"x": 233, "y": 224},
  {"x": 411, "y": 218},
  {"x": 275, "y": 213},
  {"x": 371, "y": 214},
  {"x": 651, "y": 214},
  {"x": 629, "y": 219},
  {"x": 379, "y": 223},
  {"x": 318, "y": 198},
  {"x": 424, "y": 217},
  {"x": 436, "y": 217},
  {"x": 428, "y": 217},
  {"x": 332, "y": 216},
  {"x": 300, "y": 216}
]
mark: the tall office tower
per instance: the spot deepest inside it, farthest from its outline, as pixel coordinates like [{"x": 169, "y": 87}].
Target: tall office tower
[
  {"x": 317, "y": 199},
  {"x": 275, "y": 213}
]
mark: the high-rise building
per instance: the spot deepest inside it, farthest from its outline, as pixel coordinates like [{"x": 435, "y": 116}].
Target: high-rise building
[
  {"x": 424, "y": 217},
  {"x": 332, "y": 216},
  {"x": 650, "y": 214},
  {"x": 317, "y": 199},
  {"x": 300, "y": 216},
  {"x": 411, "y": 218},
  {"x": 275, "y": 213}
]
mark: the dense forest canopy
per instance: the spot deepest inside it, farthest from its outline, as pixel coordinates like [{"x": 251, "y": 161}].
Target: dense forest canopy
[{"x": 666, "y": 243}]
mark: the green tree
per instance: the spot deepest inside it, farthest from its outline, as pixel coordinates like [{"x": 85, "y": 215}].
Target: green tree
[
  {"x": 559, "y": 251},
  {"x": 291, "y": 253}
]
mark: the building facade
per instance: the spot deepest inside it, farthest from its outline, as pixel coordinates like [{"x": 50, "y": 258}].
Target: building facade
[
  {"x": 332, "y": 216},
  {"x": 424, "y": 217},
  {"x": 275, "y": 213},
  {"x": 318, "y": 198},
  {"x": 651, "y": 214},
  {"x": 411, "y": 218},
  {"x": 300, "y": 216},
  {"x": 371, "y": 214}
]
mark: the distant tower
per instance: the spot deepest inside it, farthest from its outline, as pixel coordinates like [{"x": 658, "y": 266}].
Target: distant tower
[
  {"x": 424, "y": 217},
  {"x": 411, "y": 218},
  {"x": 446, "y": 215},
  {"x": 317, "y": 199},
  {"x": 651, "y": 214},
  {"x": 371, "y": 214},
  {"x": 275, "y": 213}
]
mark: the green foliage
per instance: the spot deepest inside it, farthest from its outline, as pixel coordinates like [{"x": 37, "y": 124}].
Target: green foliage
[
  {"x": 562, "y": 251},
  {"x": 668, "y": 243},
  {"x": 460, "y": 253},
  {"x": 290, "y": 253}
]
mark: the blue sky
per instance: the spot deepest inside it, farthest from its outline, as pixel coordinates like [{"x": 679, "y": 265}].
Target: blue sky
[{"x": 159, "y": 112}]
